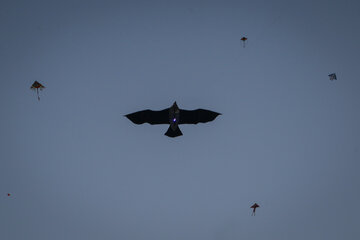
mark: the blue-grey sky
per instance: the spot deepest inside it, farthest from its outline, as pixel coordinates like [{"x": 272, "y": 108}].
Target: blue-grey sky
[{"x": 288, "y": 139}]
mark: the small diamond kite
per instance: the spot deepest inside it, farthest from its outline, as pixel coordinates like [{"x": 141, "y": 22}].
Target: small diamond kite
[
  {"x": 243, "y": 39},
  {"x": 36, "y": 86},
  {"x": 332, "y": 76},
  {"x": 254, "y": 208}
]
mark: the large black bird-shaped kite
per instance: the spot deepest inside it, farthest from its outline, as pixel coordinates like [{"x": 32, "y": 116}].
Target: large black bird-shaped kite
[{"x": 173, "y": 116}]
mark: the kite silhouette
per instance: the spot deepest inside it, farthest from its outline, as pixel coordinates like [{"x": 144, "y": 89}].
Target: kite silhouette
[
  {"x": 37, "y": 86},
  {"x": 332, "y": 76},
  {"x": 243, "y": 39},
  {"x": 173, "y": 116},
  {"x": 254, "y": 208}
]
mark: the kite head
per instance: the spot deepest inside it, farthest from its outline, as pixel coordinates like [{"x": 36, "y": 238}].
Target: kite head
[{"x": 175, "y": 106}]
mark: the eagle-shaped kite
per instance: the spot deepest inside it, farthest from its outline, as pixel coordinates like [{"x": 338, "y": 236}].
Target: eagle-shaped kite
[{"x": 173, "y": 116}]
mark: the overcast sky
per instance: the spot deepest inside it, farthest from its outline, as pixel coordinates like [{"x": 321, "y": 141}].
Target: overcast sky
[{"x": 288, "y": 137}]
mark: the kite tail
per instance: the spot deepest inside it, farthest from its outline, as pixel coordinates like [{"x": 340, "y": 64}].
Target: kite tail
[
  {"x": 37, "y": 91},
  {"x": 173, "y": 133}
]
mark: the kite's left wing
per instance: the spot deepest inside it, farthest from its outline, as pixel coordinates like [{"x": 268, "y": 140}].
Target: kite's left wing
[
  {"x": 149, "y": 116},
  {"x": 197, "y": 116}
]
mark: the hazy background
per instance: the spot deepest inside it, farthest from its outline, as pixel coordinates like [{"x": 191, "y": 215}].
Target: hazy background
[{"x": 288, "y": 139}]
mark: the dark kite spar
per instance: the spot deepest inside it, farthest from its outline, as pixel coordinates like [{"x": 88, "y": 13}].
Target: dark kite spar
[{"x": 173, "y": 116}]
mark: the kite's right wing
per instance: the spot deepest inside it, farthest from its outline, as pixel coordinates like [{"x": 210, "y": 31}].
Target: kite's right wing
[
  {"x": 149, "y": 116},
  {"x": 197, "y": 116}
]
